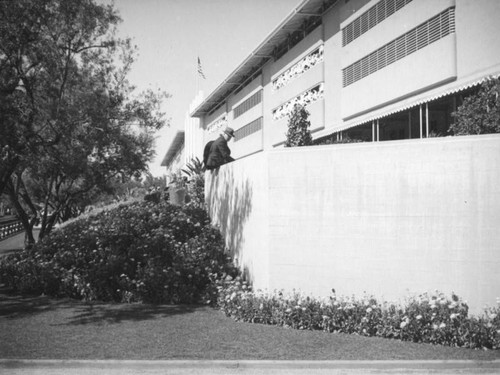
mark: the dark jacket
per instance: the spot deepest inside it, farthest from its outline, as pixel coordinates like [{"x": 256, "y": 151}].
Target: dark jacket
[{"x": 219, "y": 153}]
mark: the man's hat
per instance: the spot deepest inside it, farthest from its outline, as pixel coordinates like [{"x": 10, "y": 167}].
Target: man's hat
[{"x": 229, "y": 132}]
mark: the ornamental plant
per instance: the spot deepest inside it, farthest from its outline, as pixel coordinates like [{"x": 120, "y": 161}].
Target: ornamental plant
[
  {"x": 195, "y": 171},
  {"x": 427, "y": 318},
  {"x": 298, "y": 133},
  {"x": 138, "y": 252},
  {"x": 479, "y": 112}
]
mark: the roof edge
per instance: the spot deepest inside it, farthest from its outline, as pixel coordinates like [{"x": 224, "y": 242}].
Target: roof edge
[{"x": 196, "y": 112}]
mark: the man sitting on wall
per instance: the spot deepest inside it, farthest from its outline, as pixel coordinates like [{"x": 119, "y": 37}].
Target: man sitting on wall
[{"x": 219, "y": 151}]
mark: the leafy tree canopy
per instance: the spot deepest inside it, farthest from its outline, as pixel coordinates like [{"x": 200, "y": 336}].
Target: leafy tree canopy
[{"x": 69, "y": 120}]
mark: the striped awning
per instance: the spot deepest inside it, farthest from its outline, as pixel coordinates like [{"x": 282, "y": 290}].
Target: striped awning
[{"x": 406, "y": 104}]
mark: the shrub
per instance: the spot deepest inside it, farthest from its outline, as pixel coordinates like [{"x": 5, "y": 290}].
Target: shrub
[
  {"x": 298, "y": 133},
  {"x": 480, "y": 112},
  {"x": 195, "y": 170},
  {"x": 332, "y": 140},
  {"x": 142, "y": 252},
  {"x": 427, "y": 318}
]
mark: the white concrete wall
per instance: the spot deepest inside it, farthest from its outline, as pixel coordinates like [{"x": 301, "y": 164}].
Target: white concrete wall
[
  {"x": 237, "y": 196},
  {"x": 477, "y": 37},
  {"x": 392, "y": 219}
]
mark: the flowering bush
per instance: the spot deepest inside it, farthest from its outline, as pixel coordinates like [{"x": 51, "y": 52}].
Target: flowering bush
[
  {"x": 143, "y": 252},
  {"x": 304, "y": 99},
  {"x": 298, "y": 69},
  {"x": 427, "y": 318}
]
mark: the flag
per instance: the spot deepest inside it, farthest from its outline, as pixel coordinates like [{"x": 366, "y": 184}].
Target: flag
[{"x": 200, "y": 70}]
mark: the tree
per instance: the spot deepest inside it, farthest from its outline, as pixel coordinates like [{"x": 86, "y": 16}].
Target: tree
[
  {"x": 70, "y": 124},
  {"x": 480, "y": 112},
  {"x": 298, "y": 133}
]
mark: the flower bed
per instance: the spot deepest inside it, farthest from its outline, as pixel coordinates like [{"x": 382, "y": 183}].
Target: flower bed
[
  {"x": 141, "y": 252},
  {"x": 434, "y": 318}
]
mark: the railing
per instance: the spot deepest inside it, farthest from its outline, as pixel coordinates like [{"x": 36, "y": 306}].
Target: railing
[{"x": 10, "y": 227}]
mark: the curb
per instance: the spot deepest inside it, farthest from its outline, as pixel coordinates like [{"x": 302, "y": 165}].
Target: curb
[{"x": 253, "y": 364}]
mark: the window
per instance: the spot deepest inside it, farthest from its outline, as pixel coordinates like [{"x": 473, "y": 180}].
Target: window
[
  {"x": 217, "y": 124},
  {"x": 299, "y": 68},
  {"x": 304, "y": 99}
]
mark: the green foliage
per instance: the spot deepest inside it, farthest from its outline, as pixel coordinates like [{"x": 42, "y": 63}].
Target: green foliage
[
  {"x": 177, "y": 180},
  {"x": 70, "y": 122},
  {"x": 332, "y": 140},
  {"x": 480, "y": 112},
  {"x": 427, "y": 318},
  {"x": 195, "y": 170},
  {"x": 195, "y": 167},
  {"x": 298, "y": 133},
  {"x": 144, "y": 252}
]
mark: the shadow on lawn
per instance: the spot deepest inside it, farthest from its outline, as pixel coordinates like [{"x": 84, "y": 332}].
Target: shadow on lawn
[
  {"x": 14, "y": 306},
  {"x": 117, "y": 313}
]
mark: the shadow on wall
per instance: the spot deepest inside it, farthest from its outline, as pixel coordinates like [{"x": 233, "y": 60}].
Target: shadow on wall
[{"x": 230, "y": 204}]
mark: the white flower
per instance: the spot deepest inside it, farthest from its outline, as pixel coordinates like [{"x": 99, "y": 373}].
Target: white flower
[
  {"x": 442, "y": 325},
  {"x": 403, "y": 324},
  {"x": 419, "y": 317},
  {"x": 369, "y": 310},
  {"x": 435, "y": 326},
  {"x": 261, "y": 307},
  {"x": 453, "y": 316},
  {"x": 493, "y": 316}
]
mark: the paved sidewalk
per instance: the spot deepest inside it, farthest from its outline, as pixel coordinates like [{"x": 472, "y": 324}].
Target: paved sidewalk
[{"x": 112, "y": 367}]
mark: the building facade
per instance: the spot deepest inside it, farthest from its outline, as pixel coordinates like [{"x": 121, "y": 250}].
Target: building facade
[
  {"x": 174, "y": 158},
  {"x": 391, "y": 219},
  {"x": 373, "y": 70}
]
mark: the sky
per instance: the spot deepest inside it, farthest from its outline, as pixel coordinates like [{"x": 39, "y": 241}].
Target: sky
[{"x": 172, "y": 34}]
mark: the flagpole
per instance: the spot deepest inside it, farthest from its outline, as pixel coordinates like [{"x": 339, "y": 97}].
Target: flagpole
[{"x": 197, "y": 76}]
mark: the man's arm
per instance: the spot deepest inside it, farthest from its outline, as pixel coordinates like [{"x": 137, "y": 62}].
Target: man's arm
[{"x": 225, "y": 152}]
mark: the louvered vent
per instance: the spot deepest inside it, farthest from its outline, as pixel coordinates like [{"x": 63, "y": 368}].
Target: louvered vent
[
  {"x": 247, "y": 104},
  {"x": 248, "y": 129},
  {"x": 370, "y": 18},
  {"x": 434, "y": 29}
]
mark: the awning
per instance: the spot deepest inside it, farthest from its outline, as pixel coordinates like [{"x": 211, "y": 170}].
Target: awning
[
  {"x": 414, "y": 101},
  {"x": 174, "y": 149}
]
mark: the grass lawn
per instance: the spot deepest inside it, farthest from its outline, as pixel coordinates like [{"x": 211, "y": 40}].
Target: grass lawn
[{"x": 43, "y": 328}]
